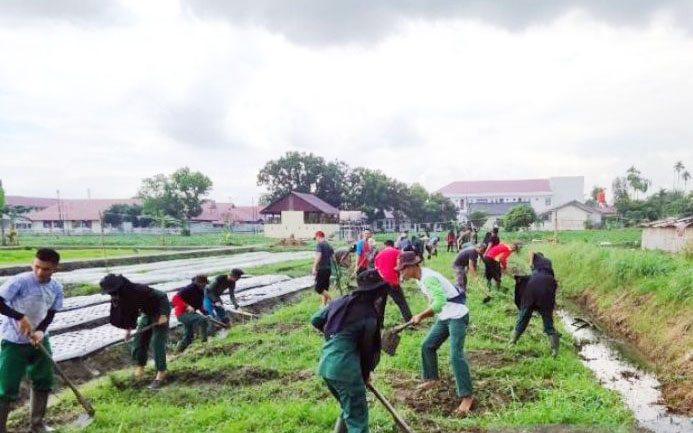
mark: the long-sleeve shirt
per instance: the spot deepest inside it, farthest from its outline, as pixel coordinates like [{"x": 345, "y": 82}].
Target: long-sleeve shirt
[
  {"x": 132, "y": 299},
  {"x": 385, "y": 263},
  {"x": 217, "y": 288},
  {"x": 190, "y": 295},
  {"x": 439, "y": 291},
  {"x": 499, "y": 253}
]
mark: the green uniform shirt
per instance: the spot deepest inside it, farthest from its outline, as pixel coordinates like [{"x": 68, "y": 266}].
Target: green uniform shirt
[{"x": 340, "y": 358}]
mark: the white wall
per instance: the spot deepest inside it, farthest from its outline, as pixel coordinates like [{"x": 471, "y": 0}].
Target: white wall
[
  {"x": 666, "y": 239},
  {"x": 292, "y": 224},
  {"x": 570, "y": 218}
]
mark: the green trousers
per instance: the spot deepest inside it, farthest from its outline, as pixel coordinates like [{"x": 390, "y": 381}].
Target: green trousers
[
  {"x": 16, "y": 360},
  {"x": 456, "y": 330},
  {"x": 191, "y": 321},
  {"x": 525, "y": 315},
  {"x": 352, "y": 399},
  {"x": 157, "y": 336}
]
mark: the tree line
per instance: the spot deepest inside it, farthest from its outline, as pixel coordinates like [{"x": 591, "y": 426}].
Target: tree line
[{"x": 368, "y": 190}]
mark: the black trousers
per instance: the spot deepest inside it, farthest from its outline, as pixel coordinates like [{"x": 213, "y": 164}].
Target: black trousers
[{"x": 397, "y": 295}]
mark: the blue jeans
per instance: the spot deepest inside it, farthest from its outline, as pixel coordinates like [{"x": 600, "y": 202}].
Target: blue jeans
[{"x": 217, "y": 312}]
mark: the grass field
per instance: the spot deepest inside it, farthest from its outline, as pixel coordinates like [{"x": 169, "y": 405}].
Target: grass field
[
  {"x": 260, "y": 379},
  {"x": 209, "y": 239},
  {"x": 24, "y": 257}
]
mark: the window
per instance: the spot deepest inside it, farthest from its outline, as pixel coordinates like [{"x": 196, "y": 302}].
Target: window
[
  {"x": 500, "y": 200},
  {"x": 47, "y": 224},
  {"x": 548, "y": 201},
  {"x": 481, "y": 200}
]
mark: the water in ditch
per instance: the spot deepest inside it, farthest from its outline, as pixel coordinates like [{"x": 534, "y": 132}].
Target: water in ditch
[{"x": 639, "y": 389}]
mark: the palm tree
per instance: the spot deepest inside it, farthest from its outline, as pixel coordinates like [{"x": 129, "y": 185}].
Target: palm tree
[
  {"x": 686, "y": 176},
  {"x": 678, "y": 168}
]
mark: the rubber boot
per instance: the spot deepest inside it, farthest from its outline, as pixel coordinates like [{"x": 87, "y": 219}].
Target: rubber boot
[
  {"x": 555, "y": 340},
  {"x": 515, "y": 337},
  {"x": 39, "y": 402},
  {"x": 4, "y": 413},
  {"x": 204, "y": 330},
  {"x": 340, "y": 426}
]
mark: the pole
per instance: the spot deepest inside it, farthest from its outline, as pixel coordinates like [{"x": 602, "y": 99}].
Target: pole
[
  {"x": 398, "y": 419},
  {"x": 85, "y": 404},
  {"x": 103, "y": 241}
]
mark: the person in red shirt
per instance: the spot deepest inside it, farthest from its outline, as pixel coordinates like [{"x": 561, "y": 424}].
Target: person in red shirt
[
  {"x": 363, "y": 251},
  {"x": 185, "y": 303},
  {"x": 452, "y": 240},
  {"x": 386, "y": 264},
  {"x": 496, "y": 261}
]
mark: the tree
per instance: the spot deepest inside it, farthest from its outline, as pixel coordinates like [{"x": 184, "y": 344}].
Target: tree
[
  {"x": 519, "y": 217},
  {"x": 478, "y": 218},
  {"x": 678, "y": 168},
  {"x": 178, "y": 195},
  {"x": 304, "y": 172},
  {"x": 117, "y": 214},
  {"x": 686, "y": 176}
]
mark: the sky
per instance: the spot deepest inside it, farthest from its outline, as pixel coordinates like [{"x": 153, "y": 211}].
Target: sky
[{"x": 96, "y": 96}]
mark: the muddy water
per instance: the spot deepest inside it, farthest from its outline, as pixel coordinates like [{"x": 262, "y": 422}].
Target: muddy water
[{"x": 638, "y": 389}]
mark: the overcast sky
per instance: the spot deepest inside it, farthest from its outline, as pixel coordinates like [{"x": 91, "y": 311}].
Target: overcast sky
[{"x": 100, "y": 94}]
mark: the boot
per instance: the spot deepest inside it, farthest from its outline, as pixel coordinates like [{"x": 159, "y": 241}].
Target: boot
[
  {"x": 515, "y": 337},
  {"x": 39, "y": 401},
  {"x": 555, "y": 340},
  {"x": 4, "y": 413}
]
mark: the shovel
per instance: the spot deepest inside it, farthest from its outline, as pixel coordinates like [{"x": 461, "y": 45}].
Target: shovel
[
  {"x": 84, "y": 419},
  {"x": 391, "y": 338},
  {"x": 398, "y": 419},
  {"x": 243, "y": 313}
]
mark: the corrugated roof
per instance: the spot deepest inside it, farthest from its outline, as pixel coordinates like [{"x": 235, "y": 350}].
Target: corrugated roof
[
  {"x": 33, "y": 202},
  {"x": 317, "y": 202},
  {"x": 77, "y": 209},
  {"x": 678, "y": 223},
  {"x": 223, "y": 213},
  {"x": 481, "y": 187},
  {"x": 494, "y": 209},
  {"x": 572, "y": 203},
  {"x": 305, "y": 202}
]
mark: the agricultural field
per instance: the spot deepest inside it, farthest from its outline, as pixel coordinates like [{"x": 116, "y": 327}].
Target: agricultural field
[
  {"x": 24, "y": 256},
  {"x": 141, "y": 240},
  {"x": 260, "y": 378}
]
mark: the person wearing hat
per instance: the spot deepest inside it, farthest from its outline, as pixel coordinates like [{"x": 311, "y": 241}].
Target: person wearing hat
[
  {"x": 322, "y": 266},
  {"x": 351, "y": 350},
  {"x": 212, "y": 301},
  {"x": 138, "y": 306},
  {"x": 29, "y": 302},
  {"x": 537, "y": 292},
  {"x": 496, "y": 261},
  {"x": 448, "y": 302},
  {"x": 186, "y": 302}
]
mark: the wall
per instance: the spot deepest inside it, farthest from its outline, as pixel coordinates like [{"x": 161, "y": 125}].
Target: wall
[
  {"x": 666, "y": 239},
  {"x": 292, "y": 224},
  {"x": 570, "y": 218}
]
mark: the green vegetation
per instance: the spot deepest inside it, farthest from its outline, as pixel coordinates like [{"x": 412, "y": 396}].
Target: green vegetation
[
  {"x": 137, "y": 240},
  {"x": 260, "y": 379},
  {"x": 518, "y": 218},
  {"x": 618, "y": 237},
  {"x": 24, "y": 257}
]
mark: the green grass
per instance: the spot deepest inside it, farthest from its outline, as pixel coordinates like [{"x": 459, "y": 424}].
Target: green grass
[
  {"x": 208, "y": 239},
  {"x": 220, "y": 386},
  {"x": 24, "y": 257}
]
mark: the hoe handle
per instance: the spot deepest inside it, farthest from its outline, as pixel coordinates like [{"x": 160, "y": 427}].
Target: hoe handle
[
  {"x": 85, "y": 404},
  {"x": 398, "y": 419}
]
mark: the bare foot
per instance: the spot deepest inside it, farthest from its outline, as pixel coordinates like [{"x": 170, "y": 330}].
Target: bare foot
[
  {"x": 139, "y": 372},
  {"x": 160, "y": 375},
  {"x": 465, "y": 407},
  {"x": 426, "y": 385}
]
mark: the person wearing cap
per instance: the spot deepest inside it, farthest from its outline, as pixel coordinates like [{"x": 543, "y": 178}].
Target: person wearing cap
[
  {"x": 537, "y": 292},
  {"x": 496, "y": 261},
  {"x": 212, "y": 301},
  {"x": 386, "y": 265},
  {"x": 29, "y": 302},
  {"x": 322, "y": 266},
  {"x": 448, "y": 302},
  {"x": 186, "y": 302},
  {"x": 351, "y": 350},
  {"x": 139, "y": 306}
]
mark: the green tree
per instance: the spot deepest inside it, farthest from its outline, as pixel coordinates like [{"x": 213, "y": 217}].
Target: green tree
[
  {"x": 132, "y": 213},
  {"x": 478, "y": 218},
  {"x": 178, "y": 195},
  {"x": 519, "y": 217},
  {"x": 304, "y": 172},
  {"x": 686, "y": 176},
  {"x": 678, "y": 168}
]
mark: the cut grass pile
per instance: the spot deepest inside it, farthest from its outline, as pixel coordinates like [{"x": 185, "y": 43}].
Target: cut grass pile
[
  {"x": 260, "y": 379},
  {"x": 24, "y": 257}
]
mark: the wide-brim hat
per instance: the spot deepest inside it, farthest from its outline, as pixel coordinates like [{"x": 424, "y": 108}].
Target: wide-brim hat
[
  {"x": 369, "y": 280},
  {"x": 407, "y": 258}
]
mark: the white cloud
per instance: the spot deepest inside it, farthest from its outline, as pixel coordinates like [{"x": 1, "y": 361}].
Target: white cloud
[{"x": 438, "y": 100}]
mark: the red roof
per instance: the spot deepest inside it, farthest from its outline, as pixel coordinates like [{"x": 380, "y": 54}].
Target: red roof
[
  {"x": 33, "y": 202},
  {"x": 224, "y": 213},
  {"x": 300, "y": 201},
  {"x": 77, "y": 209},
  {"x": 496, "y": 186}
]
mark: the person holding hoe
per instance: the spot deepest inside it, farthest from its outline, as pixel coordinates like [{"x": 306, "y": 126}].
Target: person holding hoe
[
  {"x": 212, "y": 300},
  {"x": 496, "y": 262},
  {"x": 448, "y": 302},
  {"x": 352, "y": 349},
  {"x": 29, "y": 301},
  {"x": 130, "y": 300},
  {"x": 466, "y": 263},
  {"x": 322, "y": 266},
  {"x": 186, "y": 302}
]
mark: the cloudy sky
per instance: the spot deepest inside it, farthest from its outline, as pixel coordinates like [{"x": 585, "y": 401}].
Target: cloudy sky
[{"x": 100, "y": 94}]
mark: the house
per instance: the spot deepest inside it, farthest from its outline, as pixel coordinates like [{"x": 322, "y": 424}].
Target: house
[
  {"x": 672, "y": 235},
  {"x": 300, "y": 215},
  {"x": 217, "y": 215},
  {"x": 73, "y": 215},
  {"x": 23, "y": 204},
  {"x": 541, "y": 194},
  {"x": 569, "y": 216}
]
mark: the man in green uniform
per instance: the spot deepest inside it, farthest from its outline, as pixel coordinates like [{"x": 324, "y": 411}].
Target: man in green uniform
[
  {"x": 352, "y": 349},
  {"x": 29, "y": 301}
]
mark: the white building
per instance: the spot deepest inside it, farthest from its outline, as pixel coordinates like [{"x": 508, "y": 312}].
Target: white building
[
  {"x": 497, "y": 197},
  {"x": 569, "y": 216},
  {"x": 672, "y": 235}
]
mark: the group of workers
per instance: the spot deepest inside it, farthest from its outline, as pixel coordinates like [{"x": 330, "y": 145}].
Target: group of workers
[
  {"x": 352, "y": 323},
  {"x": 30, "y": 300}
]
